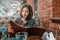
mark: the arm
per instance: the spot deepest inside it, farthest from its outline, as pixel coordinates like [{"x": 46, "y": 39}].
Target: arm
[
  {"x": 13, "y": 28},
  {"x": 10, "y": 30}
]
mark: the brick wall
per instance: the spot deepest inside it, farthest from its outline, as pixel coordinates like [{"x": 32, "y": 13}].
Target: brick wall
[
  {"x": 56, "y": 8},
  {"x": 47, "y": 9}
]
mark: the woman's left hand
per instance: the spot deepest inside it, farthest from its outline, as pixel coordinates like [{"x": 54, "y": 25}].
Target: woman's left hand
[{"x": 24, "y": 20}]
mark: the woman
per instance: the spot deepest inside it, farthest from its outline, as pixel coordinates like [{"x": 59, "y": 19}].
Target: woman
[
  {"x": 25, "y": 18},
  {"x": 26, "y": 14}
]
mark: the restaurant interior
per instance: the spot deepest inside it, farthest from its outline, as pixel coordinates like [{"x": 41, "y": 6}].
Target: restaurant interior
[{"x": 46, "y": 14}]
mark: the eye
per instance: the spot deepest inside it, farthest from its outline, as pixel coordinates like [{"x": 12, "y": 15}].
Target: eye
[{"x": 22, "y": 10}]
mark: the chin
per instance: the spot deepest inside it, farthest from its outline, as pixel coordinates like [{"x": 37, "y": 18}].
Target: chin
[{"x": 24, "y": 16}]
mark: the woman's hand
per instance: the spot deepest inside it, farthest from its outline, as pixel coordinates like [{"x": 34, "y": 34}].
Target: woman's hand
[
  {"x": 24, "y": 20},
  {"x": 10, "y": 30}
]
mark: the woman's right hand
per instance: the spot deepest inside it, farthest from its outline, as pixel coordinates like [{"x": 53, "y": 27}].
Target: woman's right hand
[{"x": 10, "y": 30}]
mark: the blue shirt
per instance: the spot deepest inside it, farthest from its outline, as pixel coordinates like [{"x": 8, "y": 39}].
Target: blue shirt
[{"x": 30, "y": 22}]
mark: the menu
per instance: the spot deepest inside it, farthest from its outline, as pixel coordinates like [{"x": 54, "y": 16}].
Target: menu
[{"x": 16, "y": 27}]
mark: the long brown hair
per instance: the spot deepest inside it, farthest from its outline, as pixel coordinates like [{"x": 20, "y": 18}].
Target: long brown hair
[{"x": 30, "y": 10}]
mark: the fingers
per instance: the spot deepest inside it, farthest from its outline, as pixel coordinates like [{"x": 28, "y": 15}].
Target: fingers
[
  {"x": 9, "y": 25},
  {"x": 10, "y": 30}
]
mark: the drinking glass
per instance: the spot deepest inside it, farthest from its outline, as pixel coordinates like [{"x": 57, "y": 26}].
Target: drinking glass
[{"x": 21, "y": 36}]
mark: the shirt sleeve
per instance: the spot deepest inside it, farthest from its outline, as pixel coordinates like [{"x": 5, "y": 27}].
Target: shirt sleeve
[
  {"x": 31, "y": 23},
  {"x": 18, "y": 21}
]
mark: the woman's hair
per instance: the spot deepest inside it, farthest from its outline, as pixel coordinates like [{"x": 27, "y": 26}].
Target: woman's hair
[{"x": 29, "y": 9}]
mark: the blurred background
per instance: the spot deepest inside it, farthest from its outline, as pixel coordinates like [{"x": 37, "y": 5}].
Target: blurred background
[{"x": 43, "y": 10}]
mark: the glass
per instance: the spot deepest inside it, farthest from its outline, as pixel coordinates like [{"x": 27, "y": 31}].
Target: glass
[
  {"x": 21, "y": 36},
  {"x": 10, "y": 7},
  {"x": 11, "y": 39},
  {"x": 4, "y": 32}
]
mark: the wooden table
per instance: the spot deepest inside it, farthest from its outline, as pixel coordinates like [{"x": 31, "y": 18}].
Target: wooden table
[{"x": 34, "y": 38}]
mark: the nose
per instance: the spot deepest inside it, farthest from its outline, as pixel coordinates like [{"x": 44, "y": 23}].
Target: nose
[{"x": 24, "y": 12}]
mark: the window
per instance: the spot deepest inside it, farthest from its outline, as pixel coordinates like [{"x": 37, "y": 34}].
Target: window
[
  {"x": 35, "y": 7},
  {"x": 10, "y": 7}
]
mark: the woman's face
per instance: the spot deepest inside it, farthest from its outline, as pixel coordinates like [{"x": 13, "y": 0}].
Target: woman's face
[{"x": 25, "y": 12}]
